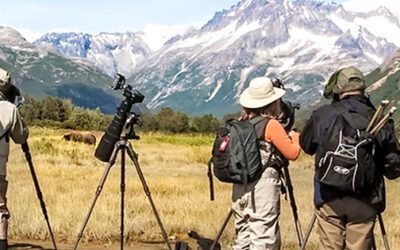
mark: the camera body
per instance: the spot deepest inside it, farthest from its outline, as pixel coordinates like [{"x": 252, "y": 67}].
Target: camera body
[
  {"x": 288, "y": 114},
  {"x": 114, "y": 130},
  {"x": 129, "y": 93},
  {"x": 288, "y": 108}
]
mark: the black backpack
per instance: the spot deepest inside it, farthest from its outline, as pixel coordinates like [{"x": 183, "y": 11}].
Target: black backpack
[
  {"x": 235, "y": 155},
  {"x": 346, "y": 159}
]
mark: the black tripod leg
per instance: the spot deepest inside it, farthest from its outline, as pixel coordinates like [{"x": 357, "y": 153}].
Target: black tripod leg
[
  {"x": 308, "y": 232},
  {"x": 383, "y": 230},
  {"x": 293, "y": 205},
  {"x": 146, "y": 189},
  {"x": 373, "y": 243},
  {"x": 221, "y": 230},
  {"x": 98, "y": 191},
  {"x": 122, "y": 194},
  {"x": 210, "y": 179},
  {"x": 25, "y": 148}
]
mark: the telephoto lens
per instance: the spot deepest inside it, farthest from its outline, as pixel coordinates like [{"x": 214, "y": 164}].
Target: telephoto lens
[{"x": 114, "y": 130}]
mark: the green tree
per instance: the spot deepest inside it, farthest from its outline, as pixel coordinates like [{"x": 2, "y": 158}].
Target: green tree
[
  {"x": 181, "y": 121},
  {"x": 85, "y": 119},
  {"x": 172, "y": 122},
  {"x": 205, "y": 124},
  {"x": 149, "y": 122},
  {"x": 31, "y": 109}
]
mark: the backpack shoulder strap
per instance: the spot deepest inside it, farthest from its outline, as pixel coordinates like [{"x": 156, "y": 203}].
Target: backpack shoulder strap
[
  {"x": 259, "y": 124},
  {"x": 5, "y": 134}
]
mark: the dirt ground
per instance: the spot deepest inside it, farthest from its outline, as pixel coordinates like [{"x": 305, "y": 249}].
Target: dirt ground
[{"x": 36, "y": 245}]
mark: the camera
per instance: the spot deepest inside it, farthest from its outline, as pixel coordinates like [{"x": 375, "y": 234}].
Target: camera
[
  {"x": 114, "y": 130},
  {"x": 288, "y": 109}
]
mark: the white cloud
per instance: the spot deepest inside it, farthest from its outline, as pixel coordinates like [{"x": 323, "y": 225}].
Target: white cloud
[
  {"x": 367, "y": 5},
  {"x": 155, "y": 35},
  {"x": 32, "y": 35}
]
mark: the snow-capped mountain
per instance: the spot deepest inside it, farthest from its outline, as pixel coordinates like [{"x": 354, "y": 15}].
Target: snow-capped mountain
[
  {"x": 111, "y": 52},
  {"x": 384, "y": 82},
  {"x": 388, "y": 69},
  {"x": 41, "y": 72},
  {"x": 301, "y": 42}
]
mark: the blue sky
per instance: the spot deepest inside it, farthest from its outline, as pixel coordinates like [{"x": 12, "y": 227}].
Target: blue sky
[
  {"x": 33, "y": 18},
  {"x": 38, "y": 16}
]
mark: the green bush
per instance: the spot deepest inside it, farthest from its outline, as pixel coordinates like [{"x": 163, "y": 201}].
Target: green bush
[
  {"x": 205, "y": 124},
  {"x": 61, "y": 113}
]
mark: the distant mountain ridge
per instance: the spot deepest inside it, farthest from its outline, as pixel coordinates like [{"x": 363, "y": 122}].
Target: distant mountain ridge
[
  {"x": 384, "y": 82},
  {"x": 111, "y": 52},
  {"x": 39, "y": 72},
  {"x": 302, "y": 42},
  {"x": 205, "y": 70}
]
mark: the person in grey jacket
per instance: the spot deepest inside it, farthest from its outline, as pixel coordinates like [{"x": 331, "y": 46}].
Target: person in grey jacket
[{"x": 11, "y": 126}]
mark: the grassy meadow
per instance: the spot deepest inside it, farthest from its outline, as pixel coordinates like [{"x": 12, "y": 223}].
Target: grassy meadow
[{"x": 175, "y": 170}]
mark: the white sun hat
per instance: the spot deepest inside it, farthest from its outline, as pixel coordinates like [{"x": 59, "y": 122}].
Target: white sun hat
[{"x": 260, "y": 93}]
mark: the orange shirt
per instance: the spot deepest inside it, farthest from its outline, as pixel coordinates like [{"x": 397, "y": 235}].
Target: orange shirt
[{"x": 288, "y": 145}]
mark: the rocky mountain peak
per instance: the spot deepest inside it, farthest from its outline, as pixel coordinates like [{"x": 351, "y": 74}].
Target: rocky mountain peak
[
  {"x": 112, "y": 52},
  {"x": 11, "y": 37},
  {"x": 392, "y": 62}
]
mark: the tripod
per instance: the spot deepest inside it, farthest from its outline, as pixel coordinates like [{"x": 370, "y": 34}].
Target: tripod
[
  {"x": 25, "y": 148},
  {"x": 123, "y": 146}
]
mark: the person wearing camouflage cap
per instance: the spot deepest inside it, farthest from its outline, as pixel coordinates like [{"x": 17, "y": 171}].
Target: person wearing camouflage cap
[
  {"x": 344, "y": 81},
  {"x": 346, "y": 220},
  {"x": 11, "y": 126}
]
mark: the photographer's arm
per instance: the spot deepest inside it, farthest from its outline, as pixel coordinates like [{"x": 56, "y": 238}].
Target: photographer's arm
[
  {"x": 288, "y": 146},
  {"x": 307, "y": 138},
  {"x": 391, "y": 152}
]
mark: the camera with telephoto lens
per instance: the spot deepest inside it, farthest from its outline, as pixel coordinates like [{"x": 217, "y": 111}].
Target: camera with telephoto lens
[
  {"x": 288, "y": 109},
  {"x": 114, "y": 130}
]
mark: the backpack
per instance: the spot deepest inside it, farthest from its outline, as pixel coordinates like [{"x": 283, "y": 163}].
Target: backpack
[
  {"x": 347, "y": 152},
  {"x": 235, "y": 154}
]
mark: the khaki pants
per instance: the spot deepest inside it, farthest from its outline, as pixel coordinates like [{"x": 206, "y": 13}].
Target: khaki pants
[
  {"x": 346, "y": 223},
  {"x": 4, "y": 214},
  {"x": 258, "y": 228}
]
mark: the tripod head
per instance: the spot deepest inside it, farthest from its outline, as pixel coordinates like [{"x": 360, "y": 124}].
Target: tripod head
[{"x": 132, "y": 120}]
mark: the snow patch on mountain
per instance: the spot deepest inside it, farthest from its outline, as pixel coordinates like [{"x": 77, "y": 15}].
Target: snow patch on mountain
[
  {"x": 215, "y": 91},
  {"x": 301, "y": 41},
  {"x": 111, "y": 52}
]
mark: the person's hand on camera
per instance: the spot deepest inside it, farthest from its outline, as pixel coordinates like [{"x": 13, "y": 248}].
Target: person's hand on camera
[{"x": 294, "y": 135}]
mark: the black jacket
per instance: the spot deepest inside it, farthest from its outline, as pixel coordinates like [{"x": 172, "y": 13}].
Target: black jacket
[{"x": 387, "y": 154}]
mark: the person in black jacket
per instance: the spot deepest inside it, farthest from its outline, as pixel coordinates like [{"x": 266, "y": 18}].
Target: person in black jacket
[{"x": 346, "y": 220}]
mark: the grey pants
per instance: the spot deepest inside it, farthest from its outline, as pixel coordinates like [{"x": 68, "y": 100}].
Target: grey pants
[
  {"x": 4, "y": 214},
  {"x": 257, "y": 212}
]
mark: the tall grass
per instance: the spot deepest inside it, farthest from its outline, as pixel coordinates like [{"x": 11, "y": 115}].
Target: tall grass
[{"x": 175, "y": 170}]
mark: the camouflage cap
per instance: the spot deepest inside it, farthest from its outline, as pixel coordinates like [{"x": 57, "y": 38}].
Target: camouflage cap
[
  {"x": 350, "y": 79},
  {"x": 5, "y": 81},
  {"x": 344, "y": 80},
  {"x": 331, "y": 87}
]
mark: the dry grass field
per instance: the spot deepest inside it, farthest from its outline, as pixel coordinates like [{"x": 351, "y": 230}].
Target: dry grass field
[{"x": 175, "y": 169}]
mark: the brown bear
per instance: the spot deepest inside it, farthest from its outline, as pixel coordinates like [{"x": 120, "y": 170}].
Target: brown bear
[{"x": 84, "y": 137}]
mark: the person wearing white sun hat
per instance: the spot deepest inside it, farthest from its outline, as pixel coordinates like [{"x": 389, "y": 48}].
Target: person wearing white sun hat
[{"x": 257, "y": 207}]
